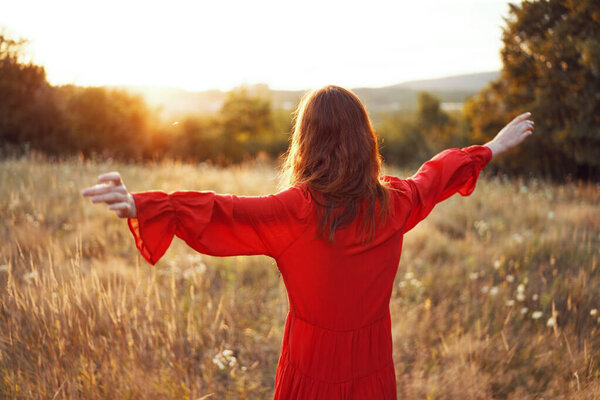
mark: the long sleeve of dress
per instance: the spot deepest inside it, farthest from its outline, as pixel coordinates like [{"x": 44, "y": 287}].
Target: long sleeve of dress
[
  {"x": 216, "y": 224},
  {"x": 450, "y": 171}
]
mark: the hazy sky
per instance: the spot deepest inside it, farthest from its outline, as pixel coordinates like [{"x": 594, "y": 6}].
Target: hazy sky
[{"x": 220, "y": 44}]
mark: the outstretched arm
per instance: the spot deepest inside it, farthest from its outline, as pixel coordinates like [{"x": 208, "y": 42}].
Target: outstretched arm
[
  {"x": 511, "y": 135},
  {"x": 211, "y": 223},
  {"x": 457, "y": 170}
]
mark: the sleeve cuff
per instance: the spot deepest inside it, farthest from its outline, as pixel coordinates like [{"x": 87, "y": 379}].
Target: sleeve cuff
[
  {"x": 134, "y": 228},
  {"x": 480, "y": 154},
  {"x": 154, "y": 227},
  {"x": 480, "y": 157},
  {"x": 161, "y": 216}
]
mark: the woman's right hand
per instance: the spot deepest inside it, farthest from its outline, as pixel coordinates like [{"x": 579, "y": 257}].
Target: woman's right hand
[
  {"x": 111, "y": 190},
  {"x": 512, "y": 134}
]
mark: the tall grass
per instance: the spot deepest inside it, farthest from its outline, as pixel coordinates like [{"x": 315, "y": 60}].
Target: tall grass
[{"x": 497, "y": 294}]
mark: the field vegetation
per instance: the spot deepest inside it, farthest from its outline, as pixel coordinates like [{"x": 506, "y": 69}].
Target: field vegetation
[{"x": 497, "y": 294}]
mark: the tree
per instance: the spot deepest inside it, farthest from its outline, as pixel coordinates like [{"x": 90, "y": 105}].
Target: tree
[
  {"x": 29, "y": 115},
  {"x": 435, "y": 125},
  {"x": 245, "y": 120},
  {"x": 112, "y": 122},
  {"x": 401, "y": 139},
  {"x": 196, "y": 138},
  {"x": 551, "y": 67}
]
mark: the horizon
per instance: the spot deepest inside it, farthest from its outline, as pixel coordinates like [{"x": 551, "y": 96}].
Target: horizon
[{"x": 251, "y": 84}]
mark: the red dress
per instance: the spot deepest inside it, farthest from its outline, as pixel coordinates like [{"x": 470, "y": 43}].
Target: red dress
[{"x": 337, "y": 341}]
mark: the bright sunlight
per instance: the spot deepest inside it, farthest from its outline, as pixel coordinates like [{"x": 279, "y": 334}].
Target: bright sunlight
[{"x": 199, "y": 45}]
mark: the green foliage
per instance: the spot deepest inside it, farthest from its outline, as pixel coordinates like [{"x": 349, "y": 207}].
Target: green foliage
[
  {"x": 438, "y": 128},
  {"x": 104, "y": 121},
  {"x": 409, "y": 138},
  {"x": 95, "y": 121},
  {"x": 69, "y": 119},
  {"x": 28, "y": 112},
  {"x": 401, "y": 141},
  {"x": 551, "y": 67},
  {"x": 244, "y": 119},
  {"x": 245, "y": 126},
  {"x": 196, "y": 138}
]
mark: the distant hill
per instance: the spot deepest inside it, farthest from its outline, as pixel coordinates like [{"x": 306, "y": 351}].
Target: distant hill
[
  {"x": 466, "y": 82},
  {"x": 452, "y": 91}
]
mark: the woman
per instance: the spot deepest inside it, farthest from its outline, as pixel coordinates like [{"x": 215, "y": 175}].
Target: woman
[{"x": 336, "y": 235}]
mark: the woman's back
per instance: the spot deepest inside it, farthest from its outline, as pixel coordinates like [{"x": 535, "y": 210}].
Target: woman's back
[{"x": 337, "y": 340}]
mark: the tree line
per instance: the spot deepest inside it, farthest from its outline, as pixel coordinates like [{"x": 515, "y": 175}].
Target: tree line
[{"x": 551, "y": 67}]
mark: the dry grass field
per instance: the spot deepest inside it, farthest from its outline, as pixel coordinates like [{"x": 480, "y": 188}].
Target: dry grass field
[{"x": 497, "y": 295}]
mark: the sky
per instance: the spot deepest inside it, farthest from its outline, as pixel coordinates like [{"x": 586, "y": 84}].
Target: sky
[{"x": 221, "y": 44}]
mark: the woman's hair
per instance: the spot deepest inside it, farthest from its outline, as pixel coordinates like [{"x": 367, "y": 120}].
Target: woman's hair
[{"x": 334, "y": 154}]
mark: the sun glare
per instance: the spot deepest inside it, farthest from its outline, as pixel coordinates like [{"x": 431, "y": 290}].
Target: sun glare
[{"x": 288, "y": 45}]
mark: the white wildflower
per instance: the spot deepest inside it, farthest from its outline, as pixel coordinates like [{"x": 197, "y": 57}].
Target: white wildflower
[
  {"x": 473, "y": 276},
  {"x": 190, "y": 272},
  {"x": 31, "y": 219},
  {"x": 224, "y": 358},
  {"x": 402, "y": 284},
  {"x": 593, "y": 312},
  {"x": 551, "y": 322},
  {"x": 535, "y": 297},
  {"x": 510, "y": 303},
  {"x": 497, "y": 264},
  {"x": 408, "y": 276},
  {"x": 30, "y": 275},
  {"x": 485, "y": 289},
  {"x": 415, "y": 283},
  {"x": 494, "y": 291},
  {"x": 521, "y": 288},
  {"x": 520, "y": 296},
  {"x": 510, "y": 278},
  {"x": 550, "y": 214},
  {"x": 219, "y": 363},
  {"x": 200, "y": 268},
  {"x": 14, "y": 203},
  {"x": 517, "y": 237},
  {"x": 524, "y": 310},
  {"x": 537, "y": 314},
  {"x": 482, "y": 227}
]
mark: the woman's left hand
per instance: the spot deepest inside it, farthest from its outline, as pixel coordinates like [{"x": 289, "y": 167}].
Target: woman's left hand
[{"x": 111, "y": 190}]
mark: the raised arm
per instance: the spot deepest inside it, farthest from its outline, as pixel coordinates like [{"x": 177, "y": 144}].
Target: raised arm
[{"x": 457, "y": 170}]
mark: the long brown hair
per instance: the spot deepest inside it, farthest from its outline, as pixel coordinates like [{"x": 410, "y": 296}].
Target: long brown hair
[{"x": 334, "y": 153}]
